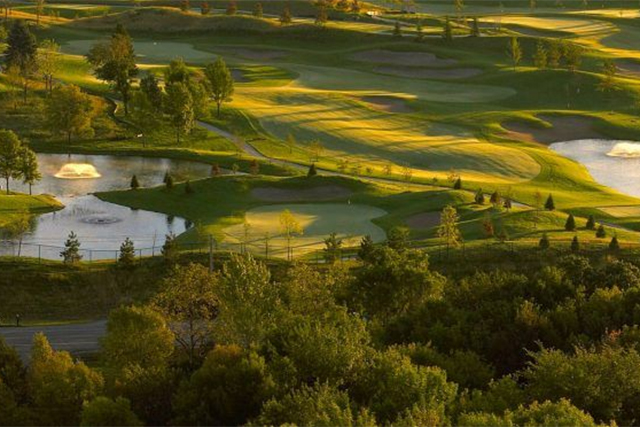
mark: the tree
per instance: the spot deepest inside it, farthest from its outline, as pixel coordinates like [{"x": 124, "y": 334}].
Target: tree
[
  {"x": 397, "y": 29},
  {"x": 10, "y": 155},
  {"x": 59, "y": 386},
  {"x": 39, "y": 10},
  {"x": 312, "y": 170},
  {"x": 188, "y": 301},
  {"x": 614, "y": 245},
  {"x": 447, "y": 30},
  {"x": 475, "y": 27},
  {"x": 71, "y": 253},
  {"x": 228, "y": 389},
  {"x": 18, "y": 226},
  {"x": 127, "y": 257},
  {"x": 48, "y": 59},
  {"x": 168, "y": 182},
  {"x": 419, "y": 32},
  {"x": 572, "y": 56},
  {"x": 514, "y": 51},
  {"x": 544, "y": 242},
  {"x": 609, "y": 71},
  {"x": 257, "y": 10},
  {"x": 540, "y": 58},
  {"x": 479, "y": 197},
  {"x": 332, "y": 248},
  {"x": 550, "y": 204},
  {"x": 495, "y": 199},
  {"x": 366, "y": 248},
  {"x": 69, "y": 111},
  {"x": 448, "y": 229},
  {"x": 322, "y": 16},
  {"x": 289, "y": 226},
  {"x": 103, "y": 411},
  {"x": 232, "y": 8},
  {"x": 151, "y": 89},
  {"x": 575, "y": 244},
  {"x": 570, "y": 225},
  {"x": 458, "y": 184},
  {"x": 179, "y": 106},
  {"x": 591, "y": 223},
  {"x": 205, "y": 8},
  {"x": 285, "y": 16},
  {"x": 185, "y": 5},
  {"x": 170, "y": 248},
  {"x": 601, "y": 233},
  {"x": 136, "y": 337},
  {"x": 21, "y": 53},
  {"x": 554, "y": 53},
  {"x": 134, "y": 183},
  {"x": 221, "y": 82},
  {"x": 114, "y": 61}
]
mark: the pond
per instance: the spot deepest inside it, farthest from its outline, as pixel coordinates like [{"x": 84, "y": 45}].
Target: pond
[
  {"x": 101, "y": 227},
  {"x": 615, "y": 164}
]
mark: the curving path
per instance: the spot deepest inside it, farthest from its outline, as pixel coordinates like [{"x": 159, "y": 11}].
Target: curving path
[{"x": 79, "y": 338}]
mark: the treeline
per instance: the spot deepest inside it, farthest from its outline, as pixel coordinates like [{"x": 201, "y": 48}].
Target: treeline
[{"x": 387, "y": 341}]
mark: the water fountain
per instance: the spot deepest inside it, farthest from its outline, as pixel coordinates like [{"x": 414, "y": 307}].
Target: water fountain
[
  {"x": 77, "y": 171},
  {"x": 628, "y": 150}
]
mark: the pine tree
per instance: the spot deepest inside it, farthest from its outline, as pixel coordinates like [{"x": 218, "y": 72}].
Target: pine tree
[
  {"x": 447, "y": 30},
  {"x": 514, "y": 51},
  {"x": 507, "y": 203},
  {"x": 591, "y": 223},
  {"x": 367, "y": 247},
  {"x": 134, "y": 183},
  {"x": 575, "y": 244},
  {"x": 257, "y": 10},
  {"x": 458, "y": 184},
  {"x": 285, "y": 17},
  {"x": 333, "y": 248},
  {"x": 475, "y": 28},
  {"x": 601, "y": 233},
  {"x": 169, "y": 182},
  {"x": 540, "y": 59},
  {"x": 397, "y": 30},
  {"x": 570, "y": 225},
  {"x": 170, "y": 248},
  {"x": 312, "y": 170},
  {"x": 71, "y": 253},
  {"x": 495, "y": 199},
  {"x": 614, "y": 245},
  {"x": 188, "y": 188},
  {"x": 549, "y": 204},
  {"x": 479, "y": 197},
  {"x": 544, "y": 242},
  {"x": 127, "y": 257}
]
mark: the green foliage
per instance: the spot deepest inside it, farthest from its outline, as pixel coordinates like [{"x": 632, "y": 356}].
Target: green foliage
[
  {"x": 575, "y": 244},
  {"x": 398, "y": 238},
  {"x": 514, "y": 51},
  {"x": 601, "y": 233},
  {"x": 333, "y": 248},
  {"x": 257, "y": 10},
  {"x": 71, "y": 253},
  {"x": 479, "y": 197},
  {"x": 170, "y": 249},
  {"x": 614, "y": 245},
  {"x": 591, "y": 223},
  {"x": 570, "y": 225},
  {"x": 312, "y": 170},
  {"x": 448, "y": 229},
  {"x": 232, "y": 8},
  {"x": 550, "y": 204},
  {"x": 134, "y": 183},
  {"x": 544, "y": 242},
  {"x": 70, "y": 111},
  {"x": 17, "y": 160},
  {"x": 103, "y": 411},
  {"x": 221, "y": 83},
  {"x": 127, "y": 254},
  {"x": 228, "y": 389},
  {"x": 458, "y": 184}
]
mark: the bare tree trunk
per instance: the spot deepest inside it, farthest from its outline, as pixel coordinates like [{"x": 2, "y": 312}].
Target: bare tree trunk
[{"x": 7, "y": 180}]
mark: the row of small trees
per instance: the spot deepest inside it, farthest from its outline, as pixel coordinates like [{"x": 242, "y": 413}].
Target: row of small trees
[{"x": 17, "y": 160}]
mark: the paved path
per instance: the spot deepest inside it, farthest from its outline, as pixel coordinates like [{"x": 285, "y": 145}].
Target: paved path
[{"x": 76, "y": 338}]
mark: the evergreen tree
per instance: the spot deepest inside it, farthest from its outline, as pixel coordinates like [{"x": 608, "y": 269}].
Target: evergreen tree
[
  {"x": 366, "y": 248},
  {"x": 554, "y": 54},
  {"x": 397, "y": 30},
  {"x": 475, "y": 27},
  {"x": 614, "y": 245},
  {"x": 232, "y": 8},
  {"x": 71, "y": 253},
  {"x": 221, "y": 82},
  {"x": 127, "y": 257},
  {"x": 312, "y": 170},
  {"x": 570, "y": 225},
  {"x": 601, "y": 233},
  {"x": 550, "y": 204},
  {"x": 332, "y": 249},
  {"x": 134, "y": 183},
  {"x": 458, "y": 184},
  {"x": 507, "y": 203},
  {"x": 479, "y": 197},
  {"x": 591, "y": 223},
  {"x": 575, "y": 244},
  {"x": 169, "y": 182},
  {"x": 447, "y": 30},
  {"x": 544, "y": 242},
  {"x": 188, "y": 188},
  {"x": 21, "y": 53},
  {"x": 257, "y": 10},
  {"x": 170, "y": 248},
  {"x": 514, "y": 51},
  {"x": 540, "y": 59},
  {"x": 285, "y": 16},
  {"x": 495, "y": 199}
]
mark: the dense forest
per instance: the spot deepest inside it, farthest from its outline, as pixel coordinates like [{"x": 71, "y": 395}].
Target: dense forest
[{"x": 386, "y": 340}]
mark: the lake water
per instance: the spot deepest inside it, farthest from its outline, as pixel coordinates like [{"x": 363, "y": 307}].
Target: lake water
[
  {"x": 615, "y": 164},
  {"x": 101, "y": 227}
]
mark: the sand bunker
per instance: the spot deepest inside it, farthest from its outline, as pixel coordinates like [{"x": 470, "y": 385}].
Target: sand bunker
[
  {"x": 254, "y": 54},
  {"x": 320, "y": 193},
  {"x": 424, "y": 220},
  {"x": 387, "y": 103},
  {"x": 564, "y": 128},
  {"x": 412, "y": 59},
  {"x": 429, "y": 73}
]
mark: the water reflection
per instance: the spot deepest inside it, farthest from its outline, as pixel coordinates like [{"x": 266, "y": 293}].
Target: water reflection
[
  {"x": 101, "y": 226},
  {"x": 619, "y": 171}
]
